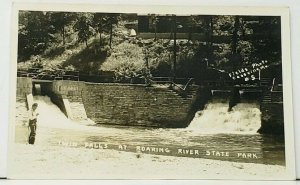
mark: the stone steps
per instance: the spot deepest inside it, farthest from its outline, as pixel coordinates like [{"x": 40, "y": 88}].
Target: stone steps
[
  {"x": 267, "y": 98},
  {"x": 265, "y": 81},
  {"x": 189, "y": 96}
]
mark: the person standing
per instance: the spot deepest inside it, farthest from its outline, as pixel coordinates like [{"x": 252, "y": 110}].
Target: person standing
[{"x": 33, "y": 114}]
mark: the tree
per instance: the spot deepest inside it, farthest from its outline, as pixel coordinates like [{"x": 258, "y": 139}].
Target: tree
[
  {"x": 35, "y": 33},
  {"x": 100, "y": 23},
  {"x": 83, "y": 28},
  {"x": 235, "y": 38},
  {"x": 267, "y": 40},
  {"x": 112, "y": 20},
  {"x": 209, "y": 32},
  {"x": 60, "y": 20},
  {"x": 194, "y": 22},
  {"x": 154, "y": 21}
]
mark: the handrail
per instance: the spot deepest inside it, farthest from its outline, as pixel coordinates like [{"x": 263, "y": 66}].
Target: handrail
[
  {"x": 273, "y": 84},
  {"x": 171, "y": 81},
  {"x": 41, "y": 75},
  {"x": 185, "y": 86}
]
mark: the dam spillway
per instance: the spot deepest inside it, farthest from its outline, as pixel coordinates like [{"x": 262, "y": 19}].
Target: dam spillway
[{"x": 139, "y": 105}]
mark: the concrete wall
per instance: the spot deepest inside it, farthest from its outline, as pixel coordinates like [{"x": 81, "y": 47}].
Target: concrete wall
[
  {"x": 276, "y": 96},
  {"x": 61, "y": 92},
  {"x": 122, "y": 104},
  {"x": 24, "y": 87},
  {"x": 126, "y": 104},
  {"x": 272, "y": 117}
]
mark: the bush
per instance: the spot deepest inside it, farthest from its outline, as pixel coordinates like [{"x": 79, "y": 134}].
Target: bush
[
  {"x": 54, "y": 51},
  {"x": 127, "y": 61},
  {"x": 34, "y": 62}
]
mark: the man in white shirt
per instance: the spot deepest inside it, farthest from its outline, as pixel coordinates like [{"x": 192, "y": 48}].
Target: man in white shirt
[{"x": 32, "y": 122}]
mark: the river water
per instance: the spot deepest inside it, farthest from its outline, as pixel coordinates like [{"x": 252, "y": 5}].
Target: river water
[{"x": 214, "y": 133}]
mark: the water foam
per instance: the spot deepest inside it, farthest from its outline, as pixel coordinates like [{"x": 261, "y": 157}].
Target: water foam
[
  {"x": 51, "y": 116},
  {"x": 215, "y": 118}
]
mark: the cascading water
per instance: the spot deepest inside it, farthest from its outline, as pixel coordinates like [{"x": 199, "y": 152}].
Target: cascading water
[
  {"x": 215, "y": 118},
  {"x": 213, "y": 128},
  {"x": 51, "y": 116}
]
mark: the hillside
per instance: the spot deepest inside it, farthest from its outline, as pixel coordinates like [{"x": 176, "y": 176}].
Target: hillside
[{"x": 93, "y": 43}]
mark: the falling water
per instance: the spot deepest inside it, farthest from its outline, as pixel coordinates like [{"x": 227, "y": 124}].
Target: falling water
[
  {"x": 51, "y": 116},
  {"x": 215, "y": 118},
  {"x": 213, "y": 128}
]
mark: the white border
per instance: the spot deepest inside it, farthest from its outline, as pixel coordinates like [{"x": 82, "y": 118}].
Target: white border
[{"x": 295, "y": 43}]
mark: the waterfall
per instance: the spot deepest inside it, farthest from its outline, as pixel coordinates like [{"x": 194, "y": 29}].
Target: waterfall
[
  {"x": 215, "y": 118},
  {"x": 51, "y": 116}
]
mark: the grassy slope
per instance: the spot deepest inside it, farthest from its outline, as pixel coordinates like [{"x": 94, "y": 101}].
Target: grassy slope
[{"x": 77, "y": 55}]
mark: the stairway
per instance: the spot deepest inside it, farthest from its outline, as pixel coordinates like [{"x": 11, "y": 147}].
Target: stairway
[
  {"x": 267, "y": 97},
  {"x": 188, "y": 94},
  {"x": 265, "y": 82}
]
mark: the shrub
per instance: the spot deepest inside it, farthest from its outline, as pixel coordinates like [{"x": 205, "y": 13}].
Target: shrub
[
  {"x": 127, "y": 61},
  {"x": 34, "y": 62}
]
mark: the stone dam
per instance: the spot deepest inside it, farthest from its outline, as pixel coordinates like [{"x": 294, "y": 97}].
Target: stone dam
[{"x": 140, "y": 105}]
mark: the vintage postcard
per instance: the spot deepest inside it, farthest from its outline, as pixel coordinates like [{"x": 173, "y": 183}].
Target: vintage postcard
[{"x": 150, "y": 92}]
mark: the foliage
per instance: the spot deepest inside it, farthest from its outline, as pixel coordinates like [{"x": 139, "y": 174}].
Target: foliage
[
  {"x": 70, "y": 40},
  {"x": 100, "y": 22},
  {"x": 70, "y": 68},
  {"x": 34, "y": 62},
  {"x": 157, "y": 54},
  {"x": 35, "y": 34},
  {"x": 88, "y": 59},
  {"x": 127, "y": 61},
  {"x": 83, "y": 27},
  {"x": 60, "y": 20}
]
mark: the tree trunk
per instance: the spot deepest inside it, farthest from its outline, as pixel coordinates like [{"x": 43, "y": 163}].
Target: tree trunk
[
  {"x": 235, "y": 60},
  {"x": 155, "y": 28},
  {"x": 234, "y": 35},
  {"x": 100, "y": 38},
  {"x": 210, "y": 31},
  {"x": 63, "y": 35},
  {"x": 174, "y": 49},
  {"x": 111, "y": 30},
  {"x": 190, "y": 33}
]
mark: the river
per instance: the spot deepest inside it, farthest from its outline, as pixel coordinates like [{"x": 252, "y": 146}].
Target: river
[{"x": 214, "y": 133}]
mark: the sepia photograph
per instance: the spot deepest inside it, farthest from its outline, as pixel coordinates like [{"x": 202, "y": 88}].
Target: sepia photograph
[{"x": 115, "y": 92}]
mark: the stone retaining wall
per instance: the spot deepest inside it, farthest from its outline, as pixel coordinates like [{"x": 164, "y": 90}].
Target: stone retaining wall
[
  {"x": 137, "y": 105},
  {"x": 125, "y": 104},
  {"x": 122, "y": 104},
  {"x": 24, "y": 87},
  {"x": 70, "y": 90}
]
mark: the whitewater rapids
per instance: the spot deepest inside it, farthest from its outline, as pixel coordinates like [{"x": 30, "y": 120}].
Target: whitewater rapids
[{"x": 215, "y": 118}]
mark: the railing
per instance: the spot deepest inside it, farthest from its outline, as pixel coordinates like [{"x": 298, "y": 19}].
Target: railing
[
  {"x": 273, "y": 84},
  {"x": 34, "y": 73},
  {"x": 179, "y": 85},
  {"x": 219, "y": 83},
  {"x": 185, "y": 86},
  {"x": 276, "y": 92},
  {"x": 161, "y": 80}
]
